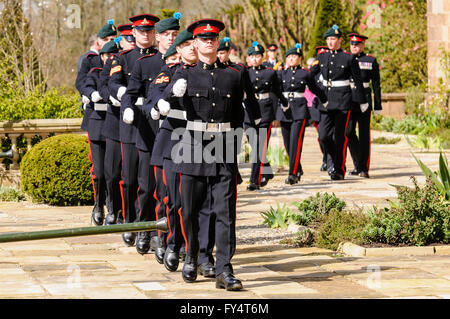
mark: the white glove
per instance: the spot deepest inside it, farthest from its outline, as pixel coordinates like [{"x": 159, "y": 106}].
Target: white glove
[
  {"x": 325, "y": 104},
  {"x": 257, "y": 121},
  {"x": 128, "y": 116},
  {"x": 179, "y": 88},
  {"x": 164, "y": 107},
  {"x": 155, "y": 114},
  {"x": 377, "y": 112},
  {"x": 95, "y": 97},
  {"x": 85, "y": 100},
  {"x": 114, "y": 101},
  {"x": 121, "y": 92},
  {"x": 285, "y": 108},
  {"x": 364, "y": 107}
]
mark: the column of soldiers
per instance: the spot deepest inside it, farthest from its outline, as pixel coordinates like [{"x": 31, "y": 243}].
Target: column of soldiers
[{"x": 165, "y": 124}]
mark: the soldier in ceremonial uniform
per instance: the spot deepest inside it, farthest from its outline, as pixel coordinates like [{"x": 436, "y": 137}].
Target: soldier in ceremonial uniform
[
  {"x": 267, "y": 90},
  {"x": 99, "y": 97},
  {"x": 113, "y": 155},
  {"x": 150, "y": 177},
  {"x": 272, "y": 58},
  {"x": 337, "y": 68},
  {"x": 294, "y": 80},
  {"x": 212, "y": 96},
  {"x": 143, "y": 32},
  {"x": 361, "y": 115}
]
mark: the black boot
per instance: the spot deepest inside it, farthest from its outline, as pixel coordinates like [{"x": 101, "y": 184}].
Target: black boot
[
  {"x": 143, "y": 242},
  {"x": 291, "y": 180},
  {"x": 129, "y": 239},
  {"x": 189, "y": 271},
  {"x": 160, "y": 251},
  {"x": 226, "y": 280},
  {"x": 323, "y": 168},
  {"x": 207, "y": 270},
  {"x": 98, "y": 215},
  {"x": 252, "y": 187},
  {"x": 171, "y": 260},
  {"x": 111, "y": 218}
]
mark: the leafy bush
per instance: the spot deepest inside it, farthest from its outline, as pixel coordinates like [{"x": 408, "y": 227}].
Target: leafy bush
[
  {"x": 340, "y": 226},
  {"x": 315, "y": 207},
  {"x": 277, "y": 218},
  {"x": 11, "y": 194},
  {"x": 441, "y": 178},
  {"x": 420, "y": 217},
  {"x": 57, "y": 171}
]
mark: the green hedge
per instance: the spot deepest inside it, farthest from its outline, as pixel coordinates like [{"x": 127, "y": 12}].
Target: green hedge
[{"x": 57, "y": 171}]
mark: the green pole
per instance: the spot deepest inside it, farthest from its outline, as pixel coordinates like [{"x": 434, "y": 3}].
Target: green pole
[{"x": 160, "y": 225}]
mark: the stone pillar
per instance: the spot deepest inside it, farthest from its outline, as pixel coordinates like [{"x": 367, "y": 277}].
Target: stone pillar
[{"x": 438, "y": 36}]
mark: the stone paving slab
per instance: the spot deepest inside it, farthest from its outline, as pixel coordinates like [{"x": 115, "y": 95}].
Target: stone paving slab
[{"x": 102, "y": 267}]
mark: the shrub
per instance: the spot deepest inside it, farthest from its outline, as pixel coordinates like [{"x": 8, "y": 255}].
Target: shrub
[
  {"x": 11, "y": 194},
  {"x": 277, "y": 218},
  {"x": 57, "y": 171},
  {"x": 315, "y": 207}
]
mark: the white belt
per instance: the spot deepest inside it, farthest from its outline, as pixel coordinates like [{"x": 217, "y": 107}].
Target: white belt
[
  {"x": 336, "y": 83},
  {"x": 100, "y": 106},
  {"x": 294, "y": 95},
  {"x": 177, "y": 114},
  {"x": 140, "y": 101},
  {"x": 208, "y": 127},
  {"x": 262, "y": 96},
  {"x": 366, "y": 84}
]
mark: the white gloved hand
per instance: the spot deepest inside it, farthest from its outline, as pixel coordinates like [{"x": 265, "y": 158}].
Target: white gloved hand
[
  {"x": 114, "y": 101},
  {"x": 285, "y": 108},
  {"x": 95, "y": 97},
  {"x": 377, "y": 112},
  {"x": 325, "y": 104},
  {"x": 155, "y": 114},
  {"x": 364, "y": 107},
  {"x": 164, "y": 107},
  {"x": 85, "y": 100},
  {"x": 128, "y": 116},
  {"x": 179, "y": 88},
  {"x": 121, "y": 92},
  {"x": 257, "y": 121}
]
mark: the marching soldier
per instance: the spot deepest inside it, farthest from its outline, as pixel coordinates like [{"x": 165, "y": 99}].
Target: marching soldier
[
  {"x": 370, "y": 72},
  {"x": 150, "y": 177},
  {"x": 143, "y": 32},
  {"x": 294, "y": 80},
  {"x": 272, "y": 60},
  {"x": 212, "y": 96},
  {"x": 113, "y": 155},
  {"x": 267, "y": 90},
  {"x": 99, "y": 97},
  {"x": 337, "y": 68}
]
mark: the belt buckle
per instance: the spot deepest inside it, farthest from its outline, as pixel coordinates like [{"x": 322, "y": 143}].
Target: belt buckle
[
  {"x": 291, "y": 94},
  {"x": 213, "y": 127},
  {"x": 257, "y": 96},
  {"x": 329, "y": 83}
]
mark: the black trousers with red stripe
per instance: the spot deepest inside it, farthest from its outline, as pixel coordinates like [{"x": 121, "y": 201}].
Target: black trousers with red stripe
[
  {"x": 334, "y": 130},
  {"x": 175, "y": 236},
  {"x": 113, "y": 169},
  {"x": 325, "y": 156},
  {"x": 97, "y": 157},
  {"x": 129, "y": 183},
  {"x": 297, "y": 134},
  {"x": 259, "y": 137},
  {"x": 360, "y": 146},
  {"x": 218, "y": 194},
  {"x": 161, "y": 197},
  {"x": 146, "y": 189}
]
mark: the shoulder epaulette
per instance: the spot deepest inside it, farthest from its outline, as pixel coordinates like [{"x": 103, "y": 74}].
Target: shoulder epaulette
[
  {"x": 124, "y": 52},
  {"x": 270, "y": 69},
  {"x": 370, "y": 55},
  {"x": 92, "y": 54},
  {"x": 171, "y": 65},
  {"x": 233, "y": 69},
  {"x": 347, "y": 52},
  {"x": 146, "y": 56},
  {"x": 306, "y": 69},
  {"x": 95, "y": 69}
]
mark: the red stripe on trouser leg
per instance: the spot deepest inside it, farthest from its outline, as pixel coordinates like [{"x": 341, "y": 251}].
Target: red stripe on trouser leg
[
  {"x": 92, "y": 169},
  {"x": 266, "y": 144},
  {"x": 370, "y": 145},
  {"x": 344, "y": 151},
  {"x": 182, "y": 225},
  {"x": 299, "y": 148},
  {"x": 121, "y": 184},
  {"x": 166, "y": 200}
]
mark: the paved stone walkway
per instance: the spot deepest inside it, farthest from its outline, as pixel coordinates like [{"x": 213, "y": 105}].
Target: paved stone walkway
[{"x": 102, "y": 267}]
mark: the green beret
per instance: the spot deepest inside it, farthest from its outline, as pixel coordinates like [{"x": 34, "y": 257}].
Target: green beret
[
  {"x": 224, "y": 44},
  {"x": 172, "y": 23},
  {"x": 256, "y": 48},
  {"x": 334, "y": 31},
  {"x": 295, "y": 50},
  {"x": 184, "y": 36},
  {"x": 107, "y": 30},
  {"x": 110, "y": 47},
  {"x": 170, "y": 51}
]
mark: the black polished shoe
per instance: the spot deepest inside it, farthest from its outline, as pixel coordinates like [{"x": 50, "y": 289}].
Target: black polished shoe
[
  {"x": 323, "y": 168},
  {"x": 98, "y": 215},
  {"x": 335, "y": 176},
  {"x": 129, "y": 239},
  {"x": 182, "y": 254},
  {"x": 355, "y": 172},
  {"x": 111, "y": 218},
  {"x": 171, "y": 260},
  {"x": 154, "y": 243},
  {"x": 291, "y": 180},
  {"x": 143, "y": 242},
  {"x": 239, "y": 179},
  {"x": 160, "y": 252},
  {"x": 252, "y": 187},
  {"x": 226, "y": 280},
  {"x": 264, "y": 181},
  {"x": 364, "y": 174},
  {"x": 189, "y": 271},
  {"x": 207, "y": 270}
]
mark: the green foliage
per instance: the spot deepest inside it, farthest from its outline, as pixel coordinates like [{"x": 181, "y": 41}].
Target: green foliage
[
  {"x": 277, "y": 156},
  {"x": 441, "y": 178},
  {"x": 315, "y": 207},
  {"x": 414, "y": 103},
  {"x": 419, "y": 217},
  {"x": 386, "y": 140},
  {"x": 54, "y": 103},
  {"x": 277, "y": 218},
  {"x": 57, "y": 171},
  {"x": 304, "y": 238},
  {"x": 11, "y": 194},
  {"x": 340, "y": 226},
  {"x": 166, "y": 13}
]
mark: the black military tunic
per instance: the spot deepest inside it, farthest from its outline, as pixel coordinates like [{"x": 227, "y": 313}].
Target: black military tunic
[
  {"x": 360, "y": 147},
  {"x": 337, "y": 68}
]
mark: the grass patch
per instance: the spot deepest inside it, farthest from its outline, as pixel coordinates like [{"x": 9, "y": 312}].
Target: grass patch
[
  {"x": 11, "y": 194},
  {"x": 386, "y": 140}
]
